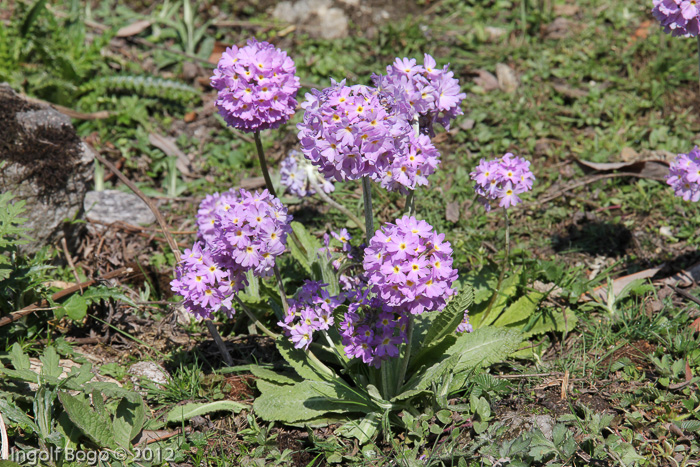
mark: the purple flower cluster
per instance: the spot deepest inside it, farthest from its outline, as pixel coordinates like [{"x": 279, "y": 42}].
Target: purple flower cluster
[
  {"x": 256, "y": 86},
  {"x": 503, "y": 179},
  {"x": 372, "y": 331},
  {"x": 238, "y": 232},
  {"x": 352, "y": 279},
  {"x": 465, "y": 325},
  {"x": 421, "y": 94},
  {"x": 295, "y": 172},
  {"x": 409, "y": 266},
  {"x": 347, "y": 133},
  {"x": 411, "y": 165},
  {"x": 678, "y": 17},
  {"x": 684, "y": 175},
  {"x": 206, "y": 286},
  {"x": 311, "y": 311}
]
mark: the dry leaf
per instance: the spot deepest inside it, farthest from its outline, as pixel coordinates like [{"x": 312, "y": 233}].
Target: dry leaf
[
  {"x": 190, "y": 116},
  {"x": 217, "y": 52},
  {"x": 168, "y": 146},
  {"x": 653, "y": 169},
  {"x": 134, "y": 28},
  {"x": 452, "y": 212},
  {"x": 507, "y": 79},
  {"x": 685, "y": 278},
  {"x": 567, "y": 91},
  {"x": 252, "y": 183},
  {"x": 486, "y": 80},
  {"x": 695, "y": 325},
  {"x": 601, "y": 292}
]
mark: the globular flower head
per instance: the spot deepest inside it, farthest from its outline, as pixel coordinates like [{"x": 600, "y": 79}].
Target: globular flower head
[
  {"x": 421, "y": 94},
  {"x": 296, "y": 173},
  {"x": 502, "y": 179},
  {"x": 684, "y": 175},
  {"x": 311, "y": 311},
  {"x": 256, "y": 86},
  {"x": 409, "y": 266},
  {"x": 348, "y": 134},
  {"x": 678, "y": 17}
]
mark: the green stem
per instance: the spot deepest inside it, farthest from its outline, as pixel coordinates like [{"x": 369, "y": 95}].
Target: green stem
[
  {"x": 280, "y": 285},
  {"x": 523, "y": 17},
  {"x": 406, "y": 354},
  {"x": 255, "y": 319},
  {"x": 324, "y": 196},
  {"x": 699, "y": 60},
  {"x": 367, "y": 200},
  {"x": 263, "y": 164},
  {"x": 501, "y": 275},
  {"x": 385, "y": 371},
  {"x": 410, "y": 207}
]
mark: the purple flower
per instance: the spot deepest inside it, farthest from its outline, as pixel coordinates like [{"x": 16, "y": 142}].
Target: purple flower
[
  {"x": 410, "y": 267},
  {"x": 256, "y": 85},
  {"x": 311, "y": 311},
  {"x": 464, "y": 326},
  {"x": 295, "y": 172},
  {"x": 421, "y": 95},
  {"x": 684, "y": 175},
  {"x": 502, "y": 179},
  {"x": 678, "y": 17}
]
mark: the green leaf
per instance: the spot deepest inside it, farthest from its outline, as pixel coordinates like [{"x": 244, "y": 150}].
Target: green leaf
[
  {"x": 9, "y": 464},
  {"x": 520, "y": 310},
  {"x": 273, "y": 376},
  {"x": 548, "y": 322},
  {"x": 128, "y": 421},
  {"x": 448, "y": 319},
  {"x": 508, "y": 289},
  {"x": 18, "y": 358},
  {"x": 306, "y": 400},
  {"x": 98, "y": 293},
  {"x": 75, "y": 307},
  {"x": 421, "y": 381},
  {"x": 95, "y": 424},
  {"x": 50, "y": 363},
  {"x": 185, "y": 412},
  {"x": 299, "y": 360},
  {"x": 310, "y": 244},
  {"x": 31, "y": 17},
  {"x": 17, "y": 415},
  {"x": 364, "y": 430},
  {"x": 484, "y": 347}
]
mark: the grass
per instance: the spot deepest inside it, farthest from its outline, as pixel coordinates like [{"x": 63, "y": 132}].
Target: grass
[{"x": 608, "y": 80}]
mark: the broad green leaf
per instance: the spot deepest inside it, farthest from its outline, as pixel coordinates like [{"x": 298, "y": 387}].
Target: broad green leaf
[
  {"x": 428, "y": 356},
  {"x": 17, "y": 415},
  {"x": 423, "y": 380},
  {"x": 306, "y": 400},
  {"x": 309, "y": 243},
  {"x": 97, "y": 293},
  {"x": 78, "y": 377},
  {"x": 274, "y": 376},
  {"x": 558, "y": 322},
  {"x": 9, "y": 464},
  {"x": 75, "y": 307},
  {"x": 364, "y": 430},
  {"x": 18, "y": 358},
  {"x": 31, "y": 17},
  {"x": 94, "y": 424},
  {"x": 111, "y": 390},
  {"x": 43, "y": 403},
  {"x": 185, "y": 412},
  {"x": 448, "y": 319},
  {"x": 300, "y": 361},
  {"x": 509, "y": 287},
  {"x": 484, "y": 347},
  {"x": 520, "y": 310},
  {"x": 50, "y": 363},
  {"x": 128, "y": 421}
]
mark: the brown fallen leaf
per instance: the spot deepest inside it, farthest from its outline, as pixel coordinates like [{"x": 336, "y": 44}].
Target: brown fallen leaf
[
  {"x": 452, "y": 212},
  {"x": 695, "y": 325},
  {"x": 652, "y": 169},
  {"x": 168, "y": 146},
  {"x": 601, "y": 292},
  {"x": 685, "y": 278},
  {"x": 567, "y": 91},
  {"x": 507, "y": 79},
  {"x": 252, "y": 183},
  {"x": 137, "y": 27},
  {"x": 190, "y": 116},
  {"x": 486, "y": 80},
  {"x": 217, "y": 52}
]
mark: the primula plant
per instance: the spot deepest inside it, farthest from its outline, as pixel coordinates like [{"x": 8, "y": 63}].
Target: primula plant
[{"x": 376, "y": 328}]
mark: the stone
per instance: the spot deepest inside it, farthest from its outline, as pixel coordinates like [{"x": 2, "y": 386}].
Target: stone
[
  {"x": 109, "y": 206},
  {"x": 150, "y": 371},
  {"x": 46, "y": 164},
  {"x": 318, "y": 18},
  {"x": 507, "y": 79}
]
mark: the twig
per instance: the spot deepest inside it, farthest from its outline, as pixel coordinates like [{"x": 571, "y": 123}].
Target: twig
[
  {"x": 219, "y": 342},
  {"x": 593, "y": 179},
  {"x": 12, "y": 317},
  {"x": 147, "y": 200},
  {"x": 685, "y": 294},
  {"x": 136, "y": 228},
  {"x": 100, "y": 115},
  {"x": 69, "y": 260},
  {"x": 528, "y": 375},
  {"x": 255, "y": 319}
]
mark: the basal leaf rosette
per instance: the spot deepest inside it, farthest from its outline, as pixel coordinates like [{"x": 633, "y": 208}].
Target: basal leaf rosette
[
  {"x": 409, "y": 266},
  {"x": 256, "y": 86},
  {"x": 239, "y": 231},
  {"x": 684, "y": 175}
]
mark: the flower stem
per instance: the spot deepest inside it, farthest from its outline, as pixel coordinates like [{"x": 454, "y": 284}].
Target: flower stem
[
  {"x": 406, "y": 354},
  {"x": 501, "y": 275},
  {"x": 263, "y": 164},
  {"x": 255, "y": 319},
  {"x": 219, "y": 342},
  {"x": 324, "y": 196},
  {"x": 367, "y": 200},
  {"x": 280, "y": 285},
  {"x": 698, "y": 37},
  {"x": 410, "y": 207}
]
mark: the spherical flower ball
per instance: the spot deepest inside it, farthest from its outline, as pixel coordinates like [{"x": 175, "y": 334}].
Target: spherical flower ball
[
  {"x": 503, "y": 180},
  {"x": 256, "y": 86},
  {"x": 205, "y": 284},
  {"x": 311, "y": 311},
  {"x": 296, "y": 173},
  {"x": 348, "y": 134},
  {"x": 409, "y": 266},
  {"x": 422, "y": 94},
  {"x": 684, "y": 175},
  {"x": 678, "y": 17},
  {"x": 250, "y": 230}
]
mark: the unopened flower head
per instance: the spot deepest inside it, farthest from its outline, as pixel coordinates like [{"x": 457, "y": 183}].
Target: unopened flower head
[
  {"x": 257, "y": 86},
  {"x": 373, "y": 331},
  {"x": 684, "y": 175},
  {"x": 678, "y": 17},
  {"x": 296, "y": 173},
  {"x": 502, "y": 179},
  {"x": 347, "y": 133},
  {"x": 311, "y": 311},
  {"x": 409, "y": 266},
  {"x": 421, "y": 94}
]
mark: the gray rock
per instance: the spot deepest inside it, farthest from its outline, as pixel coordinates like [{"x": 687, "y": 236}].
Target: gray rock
[
  {"x": 110, "y": 206},
  {"x": 44, "y": 163},
  {"x": 318, "y": 18},
  {"x": 150, "y": 371}
]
